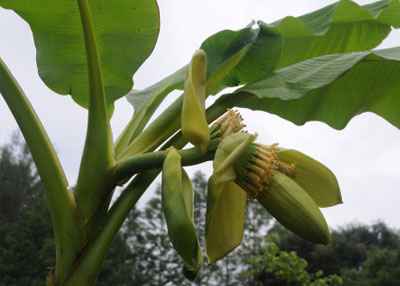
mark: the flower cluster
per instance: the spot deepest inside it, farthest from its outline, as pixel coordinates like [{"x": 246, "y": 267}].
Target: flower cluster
[{"x": 290, "y": 185}]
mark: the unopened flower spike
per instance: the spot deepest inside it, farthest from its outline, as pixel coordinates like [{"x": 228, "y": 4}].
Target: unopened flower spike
[{"x": 194, "y": 125}]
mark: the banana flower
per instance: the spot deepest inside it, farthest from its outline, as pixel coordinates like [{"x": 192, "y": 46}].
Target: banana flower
[{"x": 290, "y": 185}]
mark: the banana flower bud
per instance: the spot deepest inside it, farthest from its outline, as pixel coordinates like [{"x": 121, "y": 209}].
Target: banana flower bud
[
  {"x": 194, "y": 125},
  {"x": 177, "y": 204}
]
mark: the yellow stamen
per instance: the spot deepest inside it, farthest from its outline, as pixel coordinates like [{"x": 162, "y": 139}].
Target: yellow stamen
[
  {"x": 230, "y": 123},
  {"x": 288, "y": 170},
  {"x": 258, "y": 173}
]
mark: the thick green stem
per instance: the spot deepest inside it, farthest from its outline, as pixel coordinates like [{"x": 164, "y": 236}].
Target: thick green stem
[
  {"x": 124, "y": 138},
  {"x": 154, "y": 160},
  {"x": 91, "y": 260},
  {"x": 67, "y": 223},
  {"x": 169, "y": 121},
  {"x": 158, "y": 131},
  {"x": 97, "y": 170}
]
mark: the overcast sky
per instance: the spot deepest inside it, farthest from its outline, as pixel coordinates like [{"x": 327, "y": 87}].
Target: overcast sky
[{"x": 364, "y": 156}]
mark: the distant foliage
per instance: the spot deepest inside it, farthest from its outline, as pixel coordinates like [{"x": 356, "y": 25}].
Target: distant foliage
[
  {"x": 360, "y": 254},
  {"x": 276, "y": 267},
  {"x": 26, "y": 236}
]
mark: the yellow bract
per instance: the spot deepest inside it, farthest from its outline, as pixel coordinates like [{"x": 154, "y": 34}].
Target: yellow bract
[
  {"x": 194, "y": 125},
  {"x": 226, "y": 205},
  {"x": 316, "y": 179}
]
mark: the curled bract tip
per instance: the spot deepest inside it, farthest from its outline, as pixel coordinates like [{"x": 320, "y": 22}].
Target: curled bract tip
[
  {"x": 228, "y": 152},
  {"x": 193, "y": 121}
]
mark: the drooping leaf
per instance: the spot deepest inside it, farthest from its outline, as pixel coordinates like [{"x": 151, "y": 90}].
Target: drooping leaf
[
  {"x": 143, "y": 99},
  {"x": 389, "y": 16},
  {"x": 332, "y": 89},
  {"x": 220, "y": 51},
  {"x": 338, "y": 28},
  {"x": 262, "y": 55},
  {"x": 125, "y": 31}
]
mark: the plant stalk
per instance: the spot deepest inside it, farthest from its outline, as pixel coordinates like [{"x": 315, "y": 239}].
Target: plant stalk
[
  {"x": 67, "y": 223},
  {"x": 97, "y": 170},
  {"x": 154, "y": 160}
]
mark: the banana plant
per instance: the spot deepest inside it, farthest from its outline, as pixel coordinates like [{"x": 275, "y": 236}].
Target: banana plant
[{"x": 319, "y": 66}]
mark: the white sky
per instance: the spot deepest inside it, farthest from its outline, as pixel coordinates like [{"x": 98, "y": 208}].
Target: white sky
[{"x": 364, "y": 156}]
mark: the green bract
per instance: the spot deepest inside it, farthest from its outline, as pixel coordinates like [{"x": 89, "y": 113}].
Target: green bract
[
  {"x": 294, "y": 209},
  {"x": 177, "y": 204}
]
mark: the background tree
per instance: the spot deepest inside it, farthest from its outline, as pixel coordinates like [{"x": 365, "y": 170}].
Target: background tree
[
  {"x": 20, "y": 188},
  {"x": 274, "y": 267},
  {"x": 361, "y": 254},
  {"x": 26, "y": 236},
  {"x": 381, "y": 267}
]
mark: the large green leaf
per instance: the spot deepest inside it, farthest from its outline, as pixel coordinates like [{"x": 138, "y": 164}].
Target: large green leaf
[
  {"x": 125, "y": 32},
  {"x": 146, "y": 102},
  {"x": 264, "y": 46},
  {"x": 338, "y": 28},
  {"x": 220, "y": 49},
  {"x": 332, "y": 89},
  {"x": 142, "y": 99}
]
